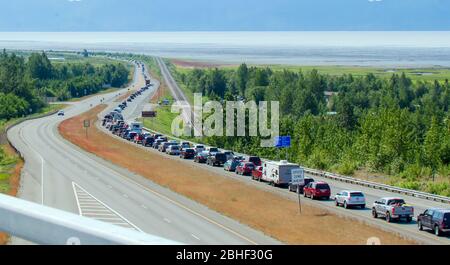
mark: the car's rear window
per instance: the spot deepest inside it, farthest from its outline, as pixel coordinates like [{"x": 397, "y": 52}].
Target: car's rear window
[
  {"x": 221, "y": 156},
  {"x": 322, "y": 187},
  {"x": 396, "y": 201},
  {"x": 213, "y": 150},
  {"x": 356, "y": 194},
  {"x": 447, "y": 218}
]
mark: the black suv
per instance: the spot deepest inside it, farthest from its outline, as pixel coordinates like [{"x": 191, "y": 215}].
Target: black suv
[
  {"x": 217, "y": 159},
  {"x": 436, "y": 219}
]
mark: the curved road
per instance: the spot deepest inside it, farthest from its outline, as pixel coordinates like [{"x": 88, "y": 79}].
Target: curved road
[{"x": 60, "y": 175}]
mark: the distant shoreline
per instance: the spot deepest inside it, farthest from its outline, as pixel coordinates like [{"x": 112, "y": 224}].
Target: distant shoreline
[{"x": 359, "y": 49}]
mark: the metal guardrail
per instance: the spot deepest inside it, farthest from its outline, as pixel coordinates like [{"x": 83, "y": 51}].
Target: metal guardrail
[
  {"x": 47, "y": 226},
  {"x": 370, "y": 184},
  {"x": 379, "y": 186}
]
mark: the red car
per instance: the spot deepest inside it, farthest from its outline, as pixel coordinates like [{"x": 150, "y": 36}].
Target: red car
[
  {"x": 257, "y": 173},
  {"x": 139, "y": 138},
  {"x": 317, "y": 190},
  {"x": 245, "y": 168}
]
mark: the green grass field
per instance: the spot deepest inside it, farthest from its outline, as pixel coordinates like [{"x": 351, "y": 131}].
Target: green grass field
[{"x": 425, "y": 74}]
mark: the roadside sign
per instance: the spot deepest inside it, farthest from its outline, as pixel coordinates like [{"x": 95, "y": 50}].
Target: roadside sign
[
  {"x": 282, "y": 141},
  {"x": 86, "y": 125},
  {"x": 149, "y": 114},
  {"x": 298, "y": 176}
]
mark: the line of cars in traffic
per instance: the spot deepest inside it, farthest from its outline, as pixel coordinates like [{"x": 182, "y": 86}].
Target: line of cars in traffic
[{"x": 276, "y": 173}]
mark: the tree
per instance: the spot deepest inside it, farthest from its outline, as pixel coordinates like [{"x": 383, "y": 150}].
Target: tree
[
  {"x": 241, "y": 79},
  {"x": 432, "y": 146},
  {"x": 39, "y": 66}
]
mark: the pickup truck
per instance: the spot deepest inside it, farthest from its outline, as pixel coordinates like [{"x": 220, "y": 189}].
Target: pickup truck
[
  {"x": 216, "y": 159},
  {"x": 392, "y": 209}
]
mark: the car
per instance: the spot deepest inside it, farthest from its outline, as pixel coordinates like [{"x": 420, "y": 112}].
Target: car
[
  {"x": 245, "y": 168},
  {"x": 299, "y": 188},
  {"x": 317, "y": 190},
  {"x": 156, "y": 136},
  {"x": 164, "y": 138},
  {"x": 201, "y": 157},
  {"x": 255, "y": 160},
  {"x": 239, "y": 158},
  {"x": 187, "y": 153},
  {"x": 185, "y": 145},
  {"x": 124, "y": 133},
  {"x": 438, "y": 220},
  {"x": 61, "y": 113},
  {"x": 139, "y": 138},
  {"x": 257, "y": 173},
  {"x": 349, "y": 199},
  {"x": 130, "y": 136},
  {"x": 212, "y": 150},
  {"x": 148, "y": 141},
  {"x": 173, "y": 150},
  {"x": 157, "y": 143},
  {"x": 231, "y": 165},
  {"x": 392, "y": 209},
  {"x": 163, "y": 146},
  {"x": 229, "y": 154},
  {"x": 216, "y": 159},
  {"x": 116, "y": 129},
  {"x": 199, "y": 148}
]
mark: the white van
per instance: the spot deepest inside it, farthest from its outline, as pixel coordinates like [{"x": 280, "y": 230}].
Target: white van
[{"x": 278, "y": 173}]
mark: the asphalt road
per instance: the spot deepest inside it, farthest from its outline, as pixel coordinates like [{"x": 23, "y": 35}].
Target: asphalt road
[
  {"x": 408, "y": 230},
  {"x": 180, "y": 98},
  {"x": 61, "y": 175}
]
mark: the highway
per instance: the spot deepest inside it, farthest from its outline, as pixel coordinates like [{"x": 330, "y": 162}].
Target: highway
[
  {"x": 180, "y": 98},
  {"x": 407, "y": 230},
  {"x": 61, "y": 175}
]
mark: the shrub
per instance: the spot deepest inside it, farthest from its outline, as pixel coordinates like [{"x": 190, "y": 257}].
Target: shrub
[{"x": 347, "y": 168}]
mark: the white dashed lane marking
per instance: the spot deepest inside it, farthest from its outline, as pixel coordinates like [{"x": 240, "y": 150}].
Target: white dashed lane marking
[{"x": 91, "y": 207}]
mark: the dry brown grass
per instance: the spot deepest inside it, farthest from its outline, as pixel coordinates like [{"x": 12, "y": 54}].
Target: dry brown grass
[{"x": 272, "y": 214}]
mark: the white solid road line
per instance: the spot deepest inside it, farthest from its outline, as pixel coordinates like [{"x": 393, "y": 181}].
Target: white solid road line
[{"x": 42, "y": 162}]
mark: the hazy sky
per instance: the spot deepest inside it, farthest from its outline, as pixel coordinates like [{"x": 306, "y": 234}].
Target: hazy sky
[{"x": 218, "y": 15}]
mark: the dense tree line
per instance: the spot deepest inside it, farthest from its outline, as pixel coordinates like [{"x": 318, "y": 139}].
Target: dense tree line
[
  {"x": 394, "y": 126},
  {"x": 24, "y": 82}
]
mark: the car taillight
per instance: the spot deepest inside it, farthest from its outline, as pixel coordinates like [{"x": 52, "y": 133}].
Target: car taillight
[
  {"x": 393, "y": 210},
  {"x": 442, "y": 225}
]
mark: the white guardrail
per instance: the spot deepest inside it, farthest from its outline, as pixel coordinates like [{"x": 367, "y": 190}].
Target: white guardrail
[
  {"x": 379, "y": 186},
  {"x": 47, "y": 226},
  {"x": 346, "y": 179}
]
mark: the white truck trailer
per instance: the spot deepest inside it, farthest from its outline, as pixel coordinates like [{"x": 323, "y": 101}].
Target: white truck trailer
[{"x": 278, "y": 173}]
